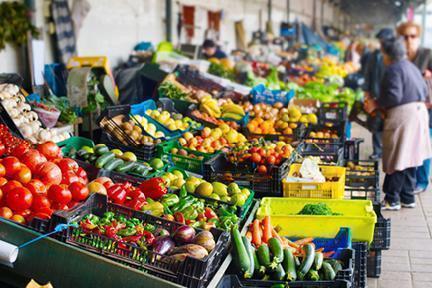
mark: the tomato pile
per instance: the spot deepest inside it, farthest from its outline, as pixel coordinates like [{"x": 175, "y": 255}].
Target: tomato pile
[
  {"x": 37, "y": 182},
  {"x": 9, "y": 143}
]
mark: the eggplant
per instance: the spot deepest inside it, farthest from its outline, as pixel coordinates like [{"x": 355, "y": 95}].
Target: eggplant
[
  {"x": 193, "y": 250},
  {"x": 206, "y": 240},
  {"x": 163, "y": 245},
  {"x": 184, "y": 234}
]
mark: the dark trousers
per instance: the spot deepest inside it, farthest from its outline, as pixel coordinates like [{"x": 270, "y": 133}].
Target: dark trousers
[
  {"x": 376, "y": 143},
  {"x": 399, "y": 186}
]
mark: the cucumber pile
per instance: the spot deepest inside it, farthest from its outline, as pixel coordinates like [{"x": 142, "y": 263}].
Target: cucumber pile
[{"x": 272, "y": 261}]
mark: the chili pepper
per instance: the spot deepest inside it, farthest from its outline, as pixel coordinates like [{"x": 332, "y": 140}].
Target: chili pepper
[
  {"x": 183, "y": 192},
  {"x": 117, "y": 193},
  {"x": 127, "y": 232},
  {"x": 209, "y": 213},
  {"x": 198, "y": 224},
  {"x": 201, "y": 217},
  {"x": 167, "y": 210},
  {"x": 190, "y": 222},
  {"x": 111, "y": 232},
  {"x": 209, "y": 225},
  {"x": 169, "y": 217},
  {"x": 87, "y": 225},
  {"x": 189, "y": 213},
  {"x": 149, "y": 237},
  {"x": 170, "y": 200},
  {"x": 155, "y": 209},
  {"x": 149, "y": 228},
  {"x": 181, "y": 205},
  {"x": 132, "y": 222},
  {"x": 132, "y": 238},
  {"x": 109, "y": 215},
  {"x": 122, "y": 219},
  {"x": 178, "y": 217},
  {"x": 154, "y": 188}
]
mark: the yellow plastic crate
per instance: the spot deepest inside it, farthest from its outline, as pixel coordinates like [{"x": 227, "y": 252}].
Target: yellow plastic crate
[
  {"x": 326, "y": 190},
  {"x": 356, "y": 214}
]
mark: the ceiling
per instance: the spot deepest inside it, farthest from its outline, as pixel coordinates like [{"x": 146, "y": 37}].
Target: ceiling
[{"x": 376, "y": 12}]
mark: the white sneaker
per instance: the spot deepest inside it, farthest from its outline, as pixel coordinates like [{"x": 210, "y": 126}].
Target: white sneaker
[
  {"x": 408, "y": 205},
  {"x": 390, "y": 206}
]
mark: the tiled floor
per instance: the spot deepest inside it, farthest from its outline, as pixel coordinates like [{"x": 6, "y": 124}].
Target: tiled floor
[{"x": 408, "y": 263}]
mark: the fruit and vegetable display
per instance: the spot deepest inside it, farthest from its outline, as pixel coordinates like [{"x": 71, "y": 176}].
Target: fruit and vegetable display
[
  {"x": 198, "y": 115},
  {"x": 116, "y": 160},
  {"x": 263, "y": 254},
  {"x": 37, "y": 181},
  {"x": 9, "y": 142},
  {"x": 172, "y": 122},
  {"x": 27, "y": 121},
  {"x": 184, "y": 242},
  {"x": 173, "y": 89}
]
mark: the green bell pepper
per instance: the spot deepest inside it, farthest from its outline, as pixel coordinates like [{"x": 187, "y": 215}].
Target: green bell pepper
[
  {"x": 170, "y": 200},
  {"x": 190, "y": 213}
]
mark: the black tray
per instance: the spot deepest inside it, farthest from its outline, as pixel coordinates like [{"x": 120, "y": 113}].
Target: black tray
[
  {"x": 374, "y": 261},
  {"x": 382, "y": 232},
  {"x": 360, "y": 266}
]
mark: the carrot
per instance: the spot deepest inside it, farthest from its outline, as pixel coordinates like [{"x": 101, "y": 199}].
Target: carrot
[
  {"x": 267, "y": 229},
  {"x": 283, "y": 240},
  {"x": 292, "y": 244},
  {"x": 256, "y": 235},
  {"x": 304, "y": 241},
  {"x": 249, "y": 235},
  {"x": 319, "y": 250},
  {"x": 328, "y": 254}
]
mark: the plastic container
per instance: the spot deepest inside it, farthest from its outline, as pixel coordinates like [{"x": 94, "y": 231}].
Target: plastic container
[
  {"x": 374, "y": 261},
  {"x": 190, "y": 273},
  {"x": 75, "y": 143},
  {"x": 361, "y": 193},
  {"x": 231, "y": 281},
  {"x": 362, "y": 173},
  {"x": 330, "y": 154},
  {"x": 326, "y": 190},
  {"x": 352, "y": 148},
  {"x": 360, "y": 264},
  {"x": 358, "y": 215},
  {"x": 333, "y": 112},
  {"x": 48, "y": 118},
  {"x": 382, "y": 232},
  {"x": 338, "y": 129},
  {"x": 220, "y": 169}
]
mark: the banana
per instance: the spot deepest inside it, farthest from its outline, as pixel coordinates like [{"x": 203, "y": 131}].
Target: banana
[
  {"x": 233, "y": 108},
  {"x": 233, "y": 116}
]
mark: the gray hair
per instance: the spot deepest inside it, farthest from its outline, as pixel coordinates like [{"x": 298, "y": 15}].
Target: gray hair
[{"x": 394, "y": 48}]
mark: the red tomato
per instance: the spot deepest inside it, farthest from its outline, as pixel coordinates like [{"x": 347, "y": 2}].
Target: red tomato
[
  {"x": 25, "y": 213},
  {"x": 6, "y": 212},
  {"x": 2, "y": 170},
  {"x": 36, "y": 187},
  {"x": 105, "y": 181},
  {"x": 256, "y": 158},
  {"x": 82, "y": 173},
  {"x": 40, "y": 215},
  {"x": 50, "y": 150},
  {"x": 79, "y": 191},
  {"x": 59, "y": 194},
  {"x": 19, "y": 150},
  {"x": 69, "y": 177},
  {"x": 60, "y": 206},
  {"x": 49, "y": 173},
  {"x": 68, "y": 164},
  {"x": 48, "y": 211},
  {"x": 1, "y": 195},
  {"x": 18, "y": 218},
  {"x": 24, "y": 175},
  {"x": 12, "y": 165},
  {"x": 40, "y": 203},
  {"x": 3, "y": 181},
  {"x": 262, "y": 169},
  {"x": 2, "y": 149},
  {"x": 271, "y": 160},
  {"x": 32, "y": 158},
  {"x": 19, "y": 199},
  {"x": 10, "y": 185}
]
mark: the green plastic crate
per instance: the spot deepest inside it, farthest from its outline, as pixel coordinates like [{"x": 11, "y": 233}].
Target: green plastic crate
[{"x": 75, "y": 143}]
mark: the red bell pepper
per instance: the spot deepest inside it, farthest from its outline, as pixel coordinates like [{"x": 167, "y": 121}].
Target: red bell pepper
[
  {"x": 154, "y": 188},
  {"x": 117, "y": 193},
  {"x": 150, "y": 238},
  {"x": 135, "y": 199},
  {"x": 209, "y": 213}
]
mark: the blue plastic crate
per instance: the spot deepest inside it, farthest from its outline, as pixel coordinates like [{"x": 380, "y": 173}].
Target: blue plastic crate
[
  {"x": 261, "y": 94},
  {"x": 341, "y": 241}
]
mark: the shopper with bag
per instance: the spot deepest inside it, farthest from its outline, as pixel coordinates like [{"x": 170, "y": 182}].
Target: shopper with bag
[
  {"x": 406, "y": 142},
  {"x": 422, "y": 58}
]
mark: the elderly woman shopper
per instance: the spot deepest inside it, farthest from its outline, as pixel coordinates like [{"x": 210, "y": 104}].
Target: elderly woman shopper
[
  {"x": 405, "y": 135},
  {"x": 422, "y": 58}
]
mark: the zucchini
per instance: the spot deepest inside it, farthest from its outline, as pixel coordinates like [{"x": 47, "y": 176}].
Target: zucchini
[
  {"x": 318, "y": 260},
  {"x": 241, "y": 256},
  {"x": 336, "y": 265},
  {"x": 308, "y": 260},
  {"x": 249, "y": 249},
  {"x": 277, "y": 252},
  {"x": 278, "y": 285},
  {"x": 313, "y": 275},
  {"x": 92, "y": 158},
  {"x": 80, "y": 153},
  {"x": 125, "y": 167},
  {"x": 100, "y": 149},
  {"x": 329, "y": 273},
  {"x": 259, "y": 269},
  {"x": 263, "y": 254},
  {"x": 113, "y": 164},
  {"x": 278, "y": 273},
  {"x": 288, "y": 264},
  {"x": 102, "y": 160}
]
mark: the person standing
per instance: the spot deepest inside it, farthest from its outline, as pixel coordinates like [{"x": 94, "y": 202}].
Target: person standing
[
  {"x": 211, "y": 50},
  {"x": 406, "y": 142},
  {"x": 422, "y": 58},
  {"x": 373, "y": 74}
]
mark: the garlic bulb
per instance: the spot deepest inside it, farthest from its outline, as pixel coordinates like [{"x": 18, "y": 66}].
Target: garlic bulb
[
  {"x": 8, "y": 104},
  {"x": 26, "y": 130},
  {"x": 32, "y": 116},
  {"x": 44, "y": 135},
  {"x": 14, "y": 113}
]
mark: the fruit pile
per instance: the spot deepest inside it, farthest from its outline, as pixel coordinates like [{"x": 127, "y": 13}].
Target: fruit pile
[
  {"x": 320, "y": 136},
  {"x": 171, "y": 122},
  {"x": 174, "y": 179},
  {"x": 225, "y": 109},
  {"x": 213, "y": 120},
  {"x": 37, "y": 182},
  {"x": 212, "y": 140},
  {"x": 185, "y": 153},
  {"x": 8, "y": 142}
]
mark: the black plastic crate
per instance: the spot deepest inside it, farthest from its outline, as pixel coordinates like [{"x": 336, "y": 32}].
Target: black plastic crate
[
  {"x": 362, "y": 173},
  {"x": 144, "y": 153},
  {"x": 374, "y": 261},
  {"x": 191, "y": 272},
  {"x": 333, "y": 112},
  {"x": 330, "y": 154},
  {"x": 361, "y": 193},
  {"x": 352, "y": 149},
  {"x": 339, "y": 129},
  {"x": 382, "y": 232},
  {"x": 360, "y": 264},
  {"x": 269, "y": 185}
]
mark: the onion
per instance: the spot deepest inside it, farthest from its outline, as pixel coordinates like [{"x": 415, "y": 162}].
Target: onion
[
  {"x": 184, "y": 234},
  {"x": 163, "y": 245},
  {"x": 206, "y": 240},
  {"x": 193, "y": 250}
]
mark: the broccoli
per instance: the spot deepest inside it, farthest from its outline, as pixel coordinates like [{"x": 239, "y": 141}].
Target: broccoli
[{"x": 317, "y": 209}]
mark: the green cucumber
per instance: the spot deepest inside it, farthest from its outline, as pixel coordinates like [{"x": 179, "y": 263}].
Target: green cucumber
[
  {"x": 249, "y": 249},
  {"x": 313, "y": 275},
  {"x": 278, "y": 273},
  {"x": 113, "y": 164},
  {"x": 329, "y": 273},
  {"x": 288, "y": 264},
  {"x": 102, "y": 160},
  {"x": 336, "y": 265},
  {"x": 241, "y": 256},
  {"x": 318, "y": 260},
  {"x": 126, "y": 167},
  {"x": 263, "y": 254},
  {"x": 259, "y": 269},
  {"x": 100, "y": 149},
  {"x": 80, "y": 153},
  {"x": 92, "y": 158},
  {"x": 308, "y": 260},
  {"x": 277, "y": 252}
]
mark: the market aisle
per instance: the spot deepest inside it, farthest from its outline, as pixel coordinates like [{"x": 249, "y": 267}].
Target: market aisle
[{"x": 408, "y": 263}]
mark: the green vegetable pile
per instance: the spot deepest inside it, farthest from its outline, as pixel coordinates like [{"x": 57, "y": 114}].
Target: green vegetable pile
[
  {"x": 317, "y": 209},
  {"x": 171, "y": 91},
  {"x": 219, "y": 70}
]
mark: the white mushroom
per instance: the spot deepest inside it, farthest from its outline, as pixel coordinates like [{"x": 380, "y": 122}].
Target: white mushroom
[
  {"x": 31, "y": 116},
  {"x": 44, "y": 135},
  {"x": 26, "y": 130},
  {"x": 8, "y": 104}
]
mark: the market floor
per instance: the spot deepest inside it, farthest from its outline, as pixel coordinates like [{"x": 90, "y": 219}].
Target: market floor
[{"x": 408, "y": 263}]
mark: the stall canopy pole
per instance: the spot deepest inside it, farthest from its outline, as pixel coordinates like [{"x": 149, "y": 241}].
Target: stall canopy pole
[
  {"x": 288, "y": 10},
  {"x": 424, "y": 15},
  {"x": 168, "y": 20},
  {"x": 269, "y": 4}
]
